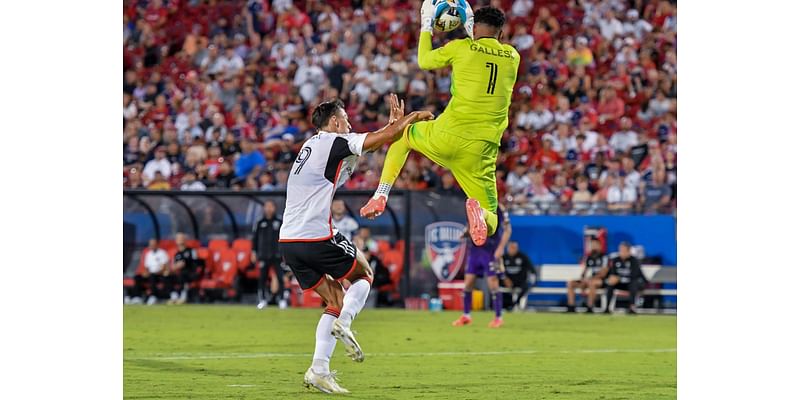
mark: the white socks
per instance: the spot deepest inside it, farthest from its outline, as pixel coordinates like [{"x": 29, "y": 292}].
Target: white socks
[
  {"x": 383, "y": 190},
  {"x": 354, "y": 300},
  {"x": 325, "y": 344}
]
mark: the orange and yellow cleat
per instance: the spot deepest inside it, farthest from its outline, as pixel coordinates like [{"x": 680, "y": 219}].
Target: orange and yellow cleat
[
  {"x": 477, "y": 225},
  {"x": 496, "y": 323},
  {"x": 463, "y": 320}
]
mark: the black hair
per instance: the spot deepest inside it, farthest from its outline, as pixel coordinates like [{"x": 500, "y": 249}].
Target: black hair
[
  {"x": 491, "y": 16},
  {"x": 324, "y": 111}
]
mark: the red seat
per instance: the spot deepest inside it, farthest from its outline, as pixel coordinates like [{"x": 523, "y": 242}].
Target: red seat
[
  {"x": 193, "y": 243},
  {"x": 167, "y": 244},
  {"x": 217, "y": 244},
  {"x": 383, "y": 246},
  {"x": 205, "y": 255},
  {"x": 400, "y": 246},
  {"x": 242, "y": 244},
  {"x": 393, "y": 260},
  {"x": 224, "y": 270},
  {"x": 244, "y": 249}
]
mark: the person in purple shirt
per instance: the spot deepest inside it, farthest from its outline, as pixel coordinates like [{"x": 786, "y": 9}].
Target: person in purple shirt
[{"x": 487, "y": 261}]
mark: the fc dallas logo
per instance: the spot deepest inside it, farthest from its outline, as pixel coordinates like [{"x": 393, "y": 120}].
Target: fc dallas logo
[{"x": 446, "y": 248}]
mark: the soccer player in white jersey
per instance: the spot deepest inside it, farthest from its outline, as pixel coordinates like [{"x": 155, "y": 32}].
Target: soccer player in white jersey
[{"x": 320, "y": 256}]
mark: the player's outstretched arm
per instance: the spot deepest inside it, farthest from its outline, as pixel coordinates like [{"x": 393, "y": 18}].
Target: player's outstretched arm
[
  {"x": 427, "y": 58},
  {"x": 393, "y": 131},
  {"x": 397, "y": 123}
]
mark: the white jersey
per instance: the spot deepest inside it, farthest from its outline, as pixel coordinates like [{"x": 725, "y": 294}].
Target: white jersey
[{"x": 324, "y": 163}]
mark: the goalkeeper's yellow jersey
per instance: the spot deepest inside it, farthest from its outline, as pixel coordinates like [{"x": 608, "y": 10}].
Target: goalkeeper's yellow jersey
[{"x": 482, "y": 82}]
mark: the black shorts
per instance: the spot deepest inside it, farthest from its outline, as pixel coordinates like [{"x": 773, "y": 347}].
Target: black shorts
[
  {"x": 627, "y": 286},
  {"x": 311, "y": 261}
]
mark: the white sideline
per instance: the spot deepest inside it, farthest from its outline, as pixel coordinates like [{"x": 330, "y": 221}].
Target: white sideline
[{"x": 223, "y": 356}]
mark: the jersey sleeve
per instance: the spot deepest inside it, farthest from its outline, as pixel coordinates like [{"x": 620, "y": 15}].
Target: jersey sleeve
[
  {"x": 343, "y": 146},
  {"x": 429, "y": 58},
  {"x": 355, "y": 142}
]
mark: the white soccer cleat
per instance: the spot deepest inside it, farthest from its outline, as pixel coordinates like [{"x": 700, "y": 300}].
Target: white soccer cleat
[
  {"x": 261, "y": 304},
  {"x": 323, "y": 383},
  {"x": 151, "y": 300},
  {"x": 351, "y": 346}
]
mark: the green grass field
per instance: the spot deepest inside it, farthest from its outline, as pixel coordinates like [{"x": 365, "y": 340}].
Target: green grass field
[{"x": 237, "y": 352}]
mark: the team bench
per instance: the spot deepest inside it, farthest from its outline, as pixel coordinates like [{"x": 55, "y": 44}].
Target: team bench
[{"x": 550, "y": 291}]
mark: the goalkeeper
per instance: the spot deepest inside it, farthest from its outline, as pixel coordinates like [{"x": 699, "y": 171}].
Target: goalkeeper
[{"x": 465, "y": 138}]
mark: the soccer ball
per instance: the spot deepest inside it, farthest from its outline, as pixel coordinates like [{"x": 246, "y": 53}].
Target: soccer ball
[{"x": 448, "y": 19}]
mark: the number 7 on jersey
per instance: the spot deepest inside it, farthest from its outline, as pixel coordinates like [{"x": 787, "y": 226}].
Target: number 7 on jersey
[{"x": 492, "y": 77}]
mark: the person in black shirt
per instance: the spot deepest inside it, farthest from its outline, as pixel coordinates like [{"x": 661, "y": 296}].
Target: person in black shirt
[
  {"x": 230, "y": 146},
  {"x": 447, "y": 185},
  {"x": 266, "y": 255},
  {"x": 517, "y": 269},
  {"x": 381, "y": 275},
  {"x": 594, "y": 271},
  {"x": 187, "y": 269},
  {"x": 223, "y": 179},
  {"x": 625, "y": 273}
]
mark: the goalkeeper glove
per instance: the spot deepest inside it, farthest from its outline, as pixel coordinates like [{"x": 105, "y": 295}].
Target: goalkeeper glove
[
  {"x": 429, "y": 11},
  {"x": 467, "y": 16}
]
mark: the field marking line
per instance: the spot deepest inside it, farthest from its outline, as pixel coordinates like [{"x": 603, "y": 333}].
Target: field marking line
[
  {"x": 241, "y": 385},
  {"x": 223, "y": 356}
]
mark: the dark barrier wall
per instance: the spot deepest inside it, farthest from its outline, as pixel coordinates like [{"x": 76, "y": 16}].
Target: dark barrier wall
[
  {"x": 546, "y": 239},
  {"x": 559, "y": 239}
]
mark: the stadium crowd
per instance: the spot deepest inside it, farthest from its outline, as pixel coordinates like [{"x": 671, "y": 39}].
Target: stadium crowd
[{"x": 217, "y": 95}]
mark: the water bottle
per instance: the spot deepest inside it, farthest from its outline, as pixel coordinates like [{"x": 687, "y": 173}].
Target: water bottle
[{"x": 435, "y": 304}]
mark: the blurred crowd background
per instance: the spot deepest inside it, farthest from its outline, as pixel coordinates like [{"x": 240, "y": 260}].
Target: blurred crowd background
[{"x": 217, "y": 96}]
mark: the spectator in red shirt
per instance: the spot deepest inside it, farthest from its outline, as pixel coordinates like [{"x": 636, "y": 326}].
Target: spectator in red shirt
[
  {"x": 542, "y": 39},
  {"x": 293, "y": 18},
  {"x": 158, "y": 113},
  {"x": 518, "y": 147},
  {"x": 610, "y": 108},
  {"x": 546, "y": 155},
  {"x": 155, "y": 14}
]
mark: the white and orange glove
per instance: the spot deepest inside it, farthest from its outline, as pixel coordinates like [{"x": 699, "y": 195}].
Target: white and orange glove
[
  {"x": 430, "y": 10},
  {"x": 467, "y": 16}
]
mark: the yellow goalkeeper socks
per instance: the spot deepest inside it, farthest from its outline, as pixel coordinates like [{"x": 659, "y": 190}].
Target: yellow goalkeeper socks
[{"x": 392, "y": 165}]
